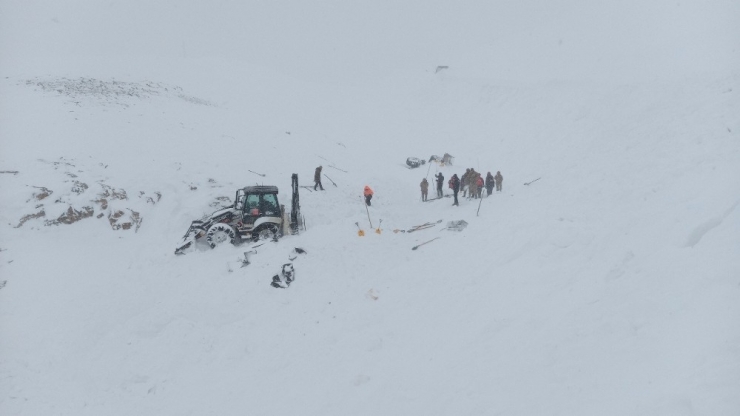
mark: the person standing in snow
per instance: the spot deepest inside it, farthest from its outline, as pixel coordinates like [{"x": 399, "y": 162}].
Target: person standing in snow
[
  {"x": 489, "y": 183},
  {"x": 317, "y": 179},
  {"x": 464, "y": 181},
  {"x": 473, "y": 180},
  {"x": 440, "y": 181},
  {"x": 455, "y": 185},
  {"x": 470, "y": 185},
  {"x": 499, "y": 180},
  {"x": 479, "y": 185},
  {"x": 424, "y": 189},
  {"x": 368, "y": 195}
]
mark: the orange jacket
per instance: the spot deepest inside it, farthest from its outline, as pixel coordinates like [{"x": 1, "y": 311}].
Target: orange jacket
[{"x": 368, "y": 191}]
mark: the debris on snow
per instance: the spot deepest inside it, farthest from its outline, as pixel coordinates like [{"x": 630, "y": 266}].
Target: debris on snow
[
  {"x": 285, "y": 278},
  {"x": 457, "y": 225}
]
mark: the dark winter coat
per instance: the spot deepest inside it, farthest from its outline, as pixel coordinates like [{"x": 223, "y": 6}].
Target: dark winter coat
[
  {"x": 455, "y": 182},
  {"x": 440, "y": 180},
  {"x": 317, "y": 174},
  {"x": 489, "y": 181}
]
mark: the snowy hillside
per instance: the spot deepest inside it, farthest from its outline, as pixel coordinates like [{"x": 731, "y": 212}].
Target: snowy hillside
[{"x": 603, "y": 280}]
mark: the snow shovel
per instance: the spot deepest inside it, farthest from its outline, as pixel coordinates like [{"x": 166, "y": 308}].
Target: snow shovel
[
  {"x": 360, "y": 232},
  {"x": 426, "y": 242},
  {"x": 332, "y": 182}
]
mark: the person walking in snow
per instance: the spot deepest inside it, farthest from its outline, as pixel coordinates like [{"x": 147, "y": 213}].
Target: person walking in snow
[
  {"x": 479, "y": 185},
  {"x": 440, "y": 181},
  {"x": 489, "y": 183},
  {"x": 499, "y": 180},
  {"x": 368, "y": 195},
  {"x": 317, "y": 179},
  {"x": 424, "y": 189},
  {"x": 455, "y": 185}
]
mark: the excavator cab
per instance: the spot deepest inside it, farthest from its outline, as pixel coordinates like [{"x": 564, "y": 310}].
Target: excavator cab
[{"x": 255, "y": 202}]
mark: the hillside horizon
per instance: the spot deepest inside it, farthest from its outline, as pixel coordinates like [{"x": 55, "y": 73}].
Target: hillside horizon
[{"x": 602, "y": 280}]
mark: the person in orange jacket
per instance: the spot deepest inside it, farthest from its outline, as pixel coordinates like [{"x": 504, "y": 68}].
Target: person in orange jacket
[{"x": 368, "y": 195}]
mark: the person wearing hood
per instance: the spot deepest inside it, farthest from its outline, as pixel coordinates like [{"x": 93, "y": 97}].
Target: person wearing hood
[
  {"x": 473, "y": 183},
  {"x": 317, "y": 179},
  {"x": 489, "y": 183},
  {"x": 455, "y": 185},
  {"x": 424, "y": 189},
  {"x": 479, "y": 185},
  {"x": 499, "y": 181},
  {"x": 464, "y": 181},
  {"x": 368, "y": 195}
]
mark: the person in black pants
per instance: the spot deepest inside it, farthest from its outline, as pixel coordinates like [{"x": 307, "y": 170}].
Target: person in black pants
[
  {"x": 440, "y": 181},
  {"x": 489, "y": 183},
  {"x": 455, "y": 185},
  {"x": 317, "y": 179}
]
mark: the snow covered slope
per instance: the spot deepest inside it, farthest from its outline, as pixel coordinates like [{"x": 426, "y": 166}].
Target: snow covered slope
[{"x": 609, "y": 286}]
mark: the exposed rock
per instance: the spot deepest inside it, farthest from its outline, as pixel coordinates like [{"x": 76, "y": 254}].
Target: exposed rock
[
  {"x": 151, "y": 200},
  {"x": 116, "y": 222},
  {"x": 103, "y": 203},
  {"x": 72, "y": 216},
  {"x": 86, "y": 90},
  {"x": 113, "y": 193},
  {"x": 43, "y": 194},
  {"x": 30, "y": 217},
  {"x": 79, "y": 187},
  {"x": 113, "y": 218}
]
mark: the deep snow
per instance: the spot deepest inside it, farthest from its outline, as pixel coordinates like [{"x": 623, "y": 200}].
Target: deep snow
[{"x": 610, "y": 286}]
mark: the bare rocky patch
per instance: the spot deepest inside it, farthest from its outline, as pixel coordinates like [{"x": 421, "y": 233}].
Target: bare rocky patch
[
  {"x": 85, "y": 91},
  {"x": 105, "y": 201},
  {"x": 42, "y": 194},
  {"x": 79, "y": 187},
  {"x": 28, "y": 217},
  {"x": 72, "y": 216}
]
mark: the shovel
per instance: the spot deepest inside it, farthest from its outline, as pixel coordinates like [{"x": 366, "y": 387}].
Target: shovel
[{"x": 360, "y": 232}]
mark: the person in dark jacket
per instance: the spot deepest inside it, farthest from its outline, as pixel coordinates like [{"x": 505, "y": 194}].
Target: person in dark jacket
[
  {"x": 499, "y": 180},
  {"x": 424, "y": 189},
  {"x": 489, "y": 183},
  {"x": 317, "y": 179},
  {"x": 440, "y": 181},
  {"x": 455, "y": 185}
]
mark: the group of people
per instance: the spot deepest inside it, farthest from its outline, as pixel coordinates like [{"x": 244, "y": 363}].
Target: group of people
[{"x": 471, "y": 183}]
